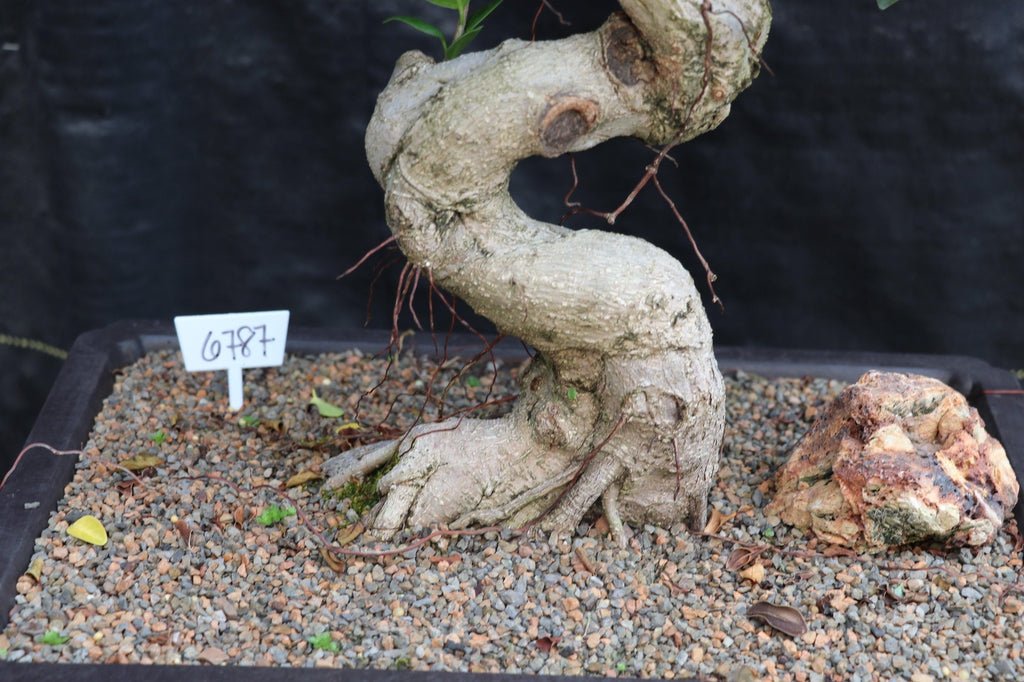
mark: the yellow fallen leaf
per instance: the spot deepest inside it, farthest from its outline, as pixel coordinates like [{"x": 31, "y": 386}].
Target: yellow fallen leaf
[
  {"x": 301, "y": 478},
  {"x": 89, "y": 529},
  {"x": 754, "y": 573},
  {"x": 348, "y": 534},
  {"x": 325, "y": 408},
  {"x": 35, "y": 570},
  {"x": 140, "y": 462},
  {"x": 716, "y": 521},
  {"x": 348, "y": 426}
]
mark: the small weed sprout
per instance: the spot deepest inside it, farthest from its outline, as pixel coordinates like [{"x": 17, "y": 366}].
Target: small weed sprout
[
  {"x": 324, "y": 642},
  {"x": 274, "y": 514},
  {"x": 467, "y": 27}
]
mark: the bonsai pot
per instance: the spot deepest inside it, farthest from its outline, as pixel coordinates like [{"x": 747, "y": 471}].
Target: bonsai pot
[{"x": 35, "y": 488}]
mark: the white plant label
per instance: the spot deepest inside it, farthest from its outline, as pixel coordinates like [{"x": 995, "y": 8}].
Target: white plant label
[{"x": 232, "y": 342}]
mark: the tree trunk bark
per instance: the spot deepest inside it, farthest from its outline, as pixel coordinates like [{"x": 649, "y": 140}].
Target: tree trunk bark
[{"x": 624, "y": 402}]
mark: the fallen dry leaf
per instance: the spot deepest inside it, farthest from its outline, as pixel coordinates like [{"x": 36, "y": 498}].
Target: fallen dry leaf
[
  {"x": 35, "y": 570},
  {"x": 348, "y": 534},
  {"x": 754, "y": 573},
  {"x": 450, "y": 559},
  {"x": 302, "y": 478},
  {"x": 545, "y": 644},
  {"x": 140, "y": 462},
  {"x": 584, "y": 560},
  {"x": 783, "y": 618},
  {"x": 716, "y": 521},
  {"x": 839, "y": 550},
  {"x": 184, "y": 530},
  {"x": 743, "y": 556},
  {"x": 839, "y": 601},
  {"x": 334, "y": 564}
]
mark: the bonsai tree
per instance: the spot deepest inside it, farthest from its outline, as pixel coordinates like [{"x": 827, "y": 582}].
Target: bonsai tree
[{"x": 623, "y": 403}]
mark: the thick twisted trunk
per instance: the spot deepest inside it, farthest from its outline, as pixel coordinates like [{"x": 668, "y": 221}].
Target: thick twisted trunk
[{"x": 624, "y": 403}]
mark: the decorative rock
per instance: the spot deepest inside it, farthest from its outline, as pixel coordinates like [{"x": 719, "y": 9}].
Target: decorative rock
[{"x": 897, "y": 459}]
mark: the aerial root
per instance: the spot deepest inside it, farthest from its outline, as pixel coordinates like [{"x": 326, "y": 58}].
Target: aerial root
[{"x": 610, "y": 503}]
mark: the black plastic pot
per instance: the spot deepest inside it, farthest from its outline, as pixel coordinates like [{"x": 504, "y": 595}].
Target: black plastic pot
[{"x": 87, "y": 378}]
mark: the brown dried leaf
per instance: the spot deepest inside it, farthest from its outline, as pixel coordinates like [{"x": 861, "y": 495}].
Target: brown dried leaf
[
  {"x": 743, "y": 556},
  {"x": 584, "y": 559},
  {"x": 238, "y": 515},
  {"x": 785, "y": 619},
  {"x": 302, "y": 478},
  {"x": 839, "y": 550},
  {"x": 348, "y": 534},
  {"x": 754, "y": 574},
  {"x": 140, "y": 462},
  {"x": 840, "y": 601},
  {"x": 335, "y": 565},
  {"x": 184, "y": 530},
  {"x": 716, "y": 521},
  {"x": 545, "y": 644},
  {"x": 450, "y": 559}
]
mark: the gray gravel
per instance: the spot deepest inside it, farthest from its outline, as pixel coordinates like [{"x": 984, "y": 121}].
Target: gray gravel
[{"x": 235, "y": 592}]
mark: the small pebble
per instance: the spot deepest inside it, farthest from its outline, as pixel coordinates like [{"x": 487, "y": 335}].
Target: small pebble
[{"x": 189, "y": 576}]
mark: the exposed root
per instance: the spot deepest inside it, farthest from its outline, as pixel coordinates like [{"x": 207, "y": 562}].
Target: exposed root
[
  {"x": 569, "y": 510},
  {"x": 357, "y": 463},
  {"x": 610, "y": 503}
]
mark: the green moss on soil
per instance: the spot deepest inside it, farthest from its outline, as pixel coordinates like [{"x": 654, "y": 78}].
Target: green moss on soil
[{"x": 363, "y": 495}]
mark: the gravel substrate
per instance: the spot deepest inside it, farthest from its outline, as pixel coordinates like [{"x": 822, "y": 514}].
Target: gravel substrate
[{"x": 190, "y": 576}]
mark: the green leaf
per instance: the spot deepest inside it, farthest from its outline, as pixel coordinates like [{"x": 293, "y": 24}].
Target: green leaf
[
  {"x": 158, "y": 437},
  {"x": 447, "y": 4},
  {"x": 886, "y": 4},
  {"x": 54, "y": 638},
  {"x": 472, "y": 381},
  {"x": 571, "y": 394},
  {"x": 421, "y": 26},
  {"x": 456, "y": 48},
  {"x": 249, "y": 420},
  {"x": 325, "y": 408},
  {"x": 768, "y": 532},
  {"x": 324, "y": 642},
  {"x": 274, "y": 514},
  {"x": 478, "y": 17}
]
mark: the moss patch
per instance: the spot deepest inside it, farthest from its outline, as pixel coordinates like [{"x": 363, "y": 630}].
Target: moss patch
[{"x": 362, "y": 495}]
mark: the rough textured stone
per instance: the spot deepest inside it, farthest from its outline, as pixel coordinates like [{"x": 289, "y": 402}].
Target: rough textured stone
[{"x": 897, "y": 459}]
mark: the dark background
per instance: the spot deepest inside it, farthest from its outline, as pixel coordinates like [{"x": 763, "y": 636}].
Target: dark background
[{"x": 163, "y": 157}]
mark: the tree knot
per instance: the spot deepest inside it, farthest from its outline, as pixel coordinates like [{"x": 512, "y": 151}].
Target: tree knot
[{"x": 565, "y": 120}]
